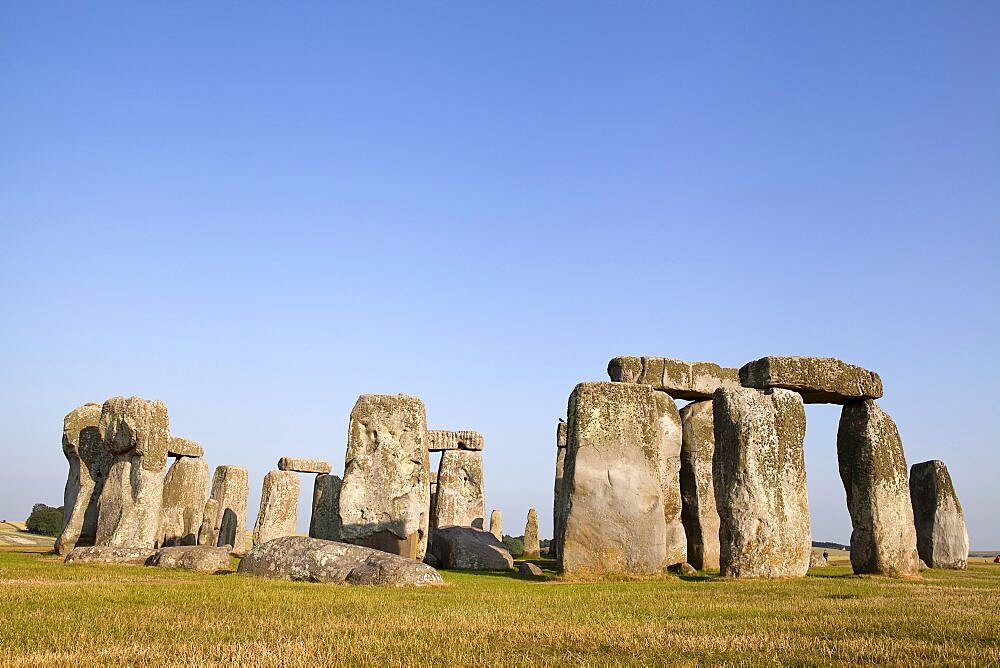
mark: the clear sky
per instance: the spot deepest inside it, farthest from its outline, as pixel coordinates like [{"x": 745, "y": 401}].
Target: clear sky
[{"x": 257, "y": 212}]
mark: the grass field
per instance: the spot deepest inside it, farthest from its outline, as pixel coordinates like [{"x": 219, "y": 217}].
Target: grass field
[{"x": 52, "y": 614}]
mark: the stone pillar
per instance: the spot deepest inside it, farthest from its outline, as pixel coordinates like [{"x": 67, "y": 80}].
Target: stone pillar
[
  {"x": 228, "y": 516},
  {"x": 325, "y": 522},
  {"x": 185, "y": 492},
  {"x": 88, "y": 466},
  {"x": 942, "y": 538},
  {"x": 459, "y": 500},
  {"x": 279, "y": 504},
  {"x": 670, "y": 466},
  {"x": 760, "y": 483},
  {"x": 385, "y": 495},
  {"x": 531, "y": 544},
  {"x": 560, "y": 466},
  {"x": 135, "y": 432},
  {"x": 873, "y": 470},
  {"x": 611, "y": 497},
  {"x": 700, "y": 517},
  {"x": 496, "y": 525}
]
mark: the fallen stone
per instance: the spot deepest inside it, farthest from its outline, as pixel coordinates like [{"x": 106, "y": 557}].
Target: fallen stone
[
  {"x": 279, "y": 504},
  {"x": 302, "y": 465},
  {"x": 611, "y": 496},
  {"x": 230, "y": 488},
  {"x": 325, "y": 522},
  {"x": 185, "y": 492},
  {"x": 699, "y": 514},
  {"x": 760, "y": 483},
  {"x": 820, "y": 380},
  {"x": 89, "y": 462},
  {"x": 460, "y": 497},
  {"x": 104, "y": 554},
  {"x": 440, "y": 440},
  {"x": 183, "y": 447},
  {"x": 496, "y": 525},
  {"x": 816, "y": 560},
  {"x": 385, "y": 495},
  {"x": 467, "y": 548},
  {"x": 670, "y": 467},
  {"x": 683, "y": 568},
  {"x": 679, "y": 379},
  {"x": 531, "y": 543},
  {"x": 201, "y": 558},
  {"x": 529, "y": 569},
  {"x": 873, "y": 470},
  {"x": 942, "y": 537},
  {"x": 316, "y": 560}
]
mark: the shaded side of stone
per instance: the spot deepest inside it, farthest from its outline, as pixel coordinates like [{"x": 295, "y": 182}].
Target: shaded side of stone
[
  {"x": 89, "y": 462},
  {"x": 460, "y": 498},
  {"x": 699, "y": 514},
  {"x": 230, "y": 489},
  {"x": 942, "y": 536},
  {"x": 670, "y": 467},
  {"x": 325, "y": 522}
]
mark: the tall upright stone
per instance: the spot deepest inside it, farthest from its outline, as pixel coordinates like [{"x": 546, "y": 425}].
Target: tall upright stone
[
  {"x": 942, "y": 537},
  {"x": 496, "y": 524},
  {"x": 185, "y": 492},
  {"x": 228, "y": 515},
  {"x": 873, "y": 470},
  {"x": 699, "y": 514},
  {"x": 460, "y": 498},
  {"x": 670, "y": 467},
  {"x": 325, "y": 522},
  {"x": 88, "y": 466},
  {"x": 532, "y": 548},
  {"x": 760, "y": 483},
  {"x": 560, "y": 467},
  {"x": 385, "y": 496},
  {"x": 611, "y": 500},
  {"x": 135, "y": 431},
  {"x": 279, "y": 504}
]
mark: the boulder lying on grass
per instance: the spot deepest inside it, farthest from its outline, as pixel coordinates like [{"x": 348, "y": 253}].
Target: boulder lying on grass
[
  {"x": 200, "y": 558},
  {"x": 470, "y": 549},
  {"x": 106, "y": 554},
  {"x": 316, "y": 560}
]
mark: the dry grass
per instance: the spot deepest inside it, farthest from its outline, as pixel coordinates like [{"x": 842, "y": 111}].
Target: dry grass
[{"x": 51, "y": 614}]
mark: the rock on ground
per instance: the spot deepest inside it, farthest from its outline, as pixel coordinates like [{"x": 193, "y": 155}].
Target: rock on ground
[
  {"x": 104, "y": 554},
  {"x": 200, "y": 558},
  {"x": 440, "y": 440},
  {"x": 942, "y": 537},
  {"x": 460, "y": 498},
  {"x": 89, "y": 462},
  {"x": 670, "y": 467},
  {"x": 816, "y": 560},
  {"x": 820, "y": 380},
  {"x": 185, "y": 492},
  {"x": 532, "y": 546},
  {"x": 699, "y": 514},
  {"x": 230, "y": 488},
  {"x": 303, "y": 465},
  {"x": 679, "y": 379},
  {"x": 760, "y": 483},
  {"x": 529, "y": 569},
  {"x": 325, "y": 522},
  {"x": 611, "y": 500},
  {"x": 279, "y": 503},
  {"x": 316, "y": 560},
  {"x": 385, "y": 495},
  {"x": 467, "y": 548},
  {"x": 873, "y": 470}
]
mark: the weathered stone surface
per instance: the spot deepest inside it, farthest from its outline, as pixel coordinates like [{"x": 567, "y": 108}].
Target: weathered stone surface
[
  {"x": 183, "y": 447},
  {"x": 942, "y": 537},
  {"x": 185, "y": 492},
  {"x": 325, "y": 522},
  {"x": 385, "y": 495},
  {"x": 670, "y": 467},
  {"x": 679, "y": 379},
  {"x": 611, "y": 501},
  {"x": 556, "y": 515},
  {"x": 200, "y": 558},
  {"x": 471, "y": 549},
  {"x": 207, "y": 534},
  {"x": 699, "y": 514},
  {"x": 303, "y": 465},
  {"x": 105, "y": 554},
  {"x": 315, "y": 560},
  {"x": 683, "y": 568},
  {"x": 460, "y": 498},
  {"x": 279, "y": 504},
  {"x": 88, "y": 466},
  {"x": 820, "y": 380},
  {"x": 561, "y": 434},
  {"x": 529, "y": 569},
  {"x": 760, "y": 483},
  {"x": 230, "y": 488},
  {"x": 135, "y": 431},
  {"x": 531, "y": 543},
  {"x": 496, "y": 524},
  {"x": 439, "y": 440},
  {"x": 816, "y": 560},
  {"x": 873, "y": 470}
]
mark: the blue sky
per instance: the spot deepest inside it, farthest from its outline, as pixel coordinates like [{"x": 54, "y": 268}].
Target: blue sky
[{"x": 258, "y": 212}]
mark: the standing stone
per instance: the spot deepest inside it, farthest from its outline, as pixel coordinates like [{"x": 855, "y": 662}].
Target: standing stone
[
  {"x": 760, "y": 483},
  {"x": 230, "y": 488},
  {"x": 185, "y": 492},
  {"x": 279, "y": 503},
  {"x": 459, "y": 500},
  {"x": 325, "y": 522},
  {"x": 531, "y": 544},
  {"x": 496, "y": 524},
  {"x": 385, "y": 496},
  {"x": 135, "y": 431},
  {"x": 611, "y": 501},
  {"x": 208, "y": 535},
  {"x": 699, "y": 515},
  {"x": 873, "y": 470},
  {"x": 88, "y": 466},
  {"x": 560, "y": 467},
  {"x": 942, "y": 538},
  {"x": 670, "y": 468}
]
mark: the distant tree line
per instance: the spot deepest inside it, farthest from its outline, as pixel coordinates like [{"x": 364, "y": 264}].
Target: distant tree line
[{"x": 44, "y": 520}]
